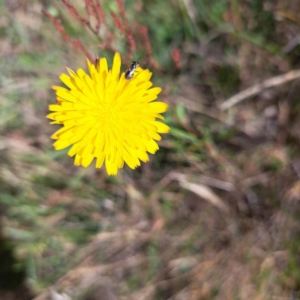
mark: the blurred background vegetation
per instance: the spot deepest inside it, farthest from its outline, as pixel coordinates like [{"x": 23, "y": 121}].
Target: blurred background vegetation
[{"x": 213, "y": 215}]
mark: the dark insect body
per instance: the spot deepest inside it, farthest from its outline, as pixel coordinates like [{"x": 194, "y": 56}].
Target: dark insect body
[{"x": 130, "y": 72}]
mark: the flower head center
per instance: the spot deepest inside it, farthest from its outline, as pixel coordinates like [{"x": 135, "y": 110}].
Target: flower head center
[{"x": 109, "y": 114}]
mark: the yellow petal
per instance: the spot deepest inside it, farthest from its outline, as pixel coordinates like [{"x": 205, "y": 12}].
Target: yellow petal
[
  {"x": 100, "y": 160},
  {"x": 55, "y": 107},
  {"x": 74, "y": 149},
  {"x": 149, "y": 98},
  {"x": 66, "y": 95},
  {"x": 87, "y": 160},
  {"x": 71, "y": 72},
  {"x": 144, "y": 85},
  {"x": 152, "y": 146},
  {"x": 161, "y": 127},
  {"x": 103, "y": 70},
  {"x": 158, "y": 107},
  {"x": 66, "y": 80},
  {"x": 145, "y": 75},
  {"x": 63, "y": 133},
  {"x": 111, "y": 168},
  {"x": 92, "y": 68},
  {"x": 116, "y": 66},
  {"x": 59, "y": 145},
  {"x": 154, "y": 91}
]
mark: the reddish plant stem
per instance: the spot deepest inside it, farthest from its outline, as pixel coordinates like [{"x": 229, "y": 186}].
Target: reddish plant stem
[
  {"x": 93, "y": 8},
  {"x": 75, "y": 13},
  {"x": 121, "y": 9},
  {"x": 118, "y": 22},
  {"x": 176, "y": 55},
  {"x": 95, "y": 12},
  {"x": 77, "y": 44},
  {"x": 123, "y": 26},
  {"x": 145, "y": 37},
  {"x": 78, "y": 16},
  {"x": 99, "y": 14}
]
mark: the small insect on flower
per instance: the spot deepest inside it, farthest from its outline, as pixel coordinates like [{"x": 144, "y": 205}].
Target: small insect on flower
[{"x": 130, "y": 72}]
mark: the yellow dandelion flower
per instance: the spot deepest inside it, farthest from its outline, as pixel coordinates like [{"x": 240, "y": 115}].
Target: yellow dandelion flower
[{"x": 108, "y": 117}]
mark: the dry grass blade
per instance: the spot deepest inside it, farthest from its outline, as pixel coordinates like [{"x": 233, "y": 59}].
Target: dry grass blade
[
  {"x": 220, "y": 184},
  {"x": 203, "y": 191},
  {"x": 84, "y": 277},
  {"x": 196, "y": 106},
  {"x": 257, "y": 88}
]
